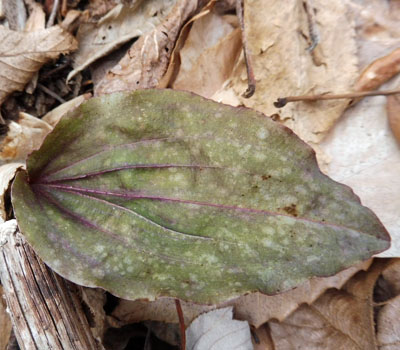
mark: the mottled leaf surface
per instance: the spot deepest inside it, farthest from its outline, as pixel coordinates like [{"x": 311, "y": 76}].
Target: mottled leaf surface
[{"x": 163, "y": 193}]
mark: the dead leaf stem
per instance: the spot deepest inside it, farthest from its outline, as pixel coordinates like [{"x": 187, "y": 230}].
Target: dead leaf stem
[
  {"x": 282, "y": 101},
  {"x": 251, "y": 81},
  {"x": 50, "y": 93},
  {"x": 181, "y": 323},
  {"x": 53, "y": 13}
]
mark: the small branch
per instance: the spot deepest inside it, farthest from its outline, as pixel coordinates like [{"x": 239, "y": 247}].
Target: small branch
[
  {"x": 64, "y": 8},
  {"x": 181, "y": 323},
  {"x": 251, "y": 81},
  {"x": 46, "y": 310},
  {"x": 51, "y": 93},
  {"x": 282, "y": 101},
  {"x": 53, "y": 13}
]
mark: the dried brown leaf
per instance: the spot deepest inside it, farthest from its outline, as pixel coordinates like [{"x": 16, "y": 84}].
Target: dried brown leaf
[
  {"x": 95, "y": 299},
  {"x": 37, "y": 17},
  {"x": 117, "y": 27},
  {"x": 262, "y": 338},
  {"x": 208, "y": 56},
  {"x": 338, "y": 320},
  {"x": 378, "y": 72},
  {"x": 393, "y": 113},
  {"x": 278, "y": 41},
  {"x": 23, "y": 137},
  {"x": 98, "y": 8},
  {"x": 147, "y": 60},
  {"x": 71, "y": 20},
  {"x": 365, "y": 156},
  {"x": 392, "y": 276},
  {"x": 388, "y": 333},
  {"x": 7, "y": 173},
  {"x": 175, "y": 59},
  {"x": 258, "y": 308},
  {"x": 255, "y": 308},
  {"x": 388, "y": 326},
  {"x": 22, "y": 54}
]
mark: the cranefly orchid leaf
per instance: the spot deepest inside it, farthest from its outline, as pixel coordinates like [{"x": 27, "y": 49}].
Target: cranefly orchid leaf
[{"x": 164, "y": 193}]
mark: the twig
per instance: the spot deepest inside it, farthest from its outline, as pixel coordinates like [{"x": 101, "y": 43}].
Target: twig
[
  {"x": 251, "y": 81},
  {"x": 53, "y": 13},
  {"x": 46, "y": 310},
  {"x": 282, "y": 101},
  {"x": 64, "y": 8},
  {"x": 51, "y": 93},
  {"x": 181, "y": 323}
]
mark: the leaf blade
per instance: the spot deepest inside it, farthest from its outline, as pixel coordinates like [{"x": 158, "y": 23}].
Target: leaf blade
[{"x": 183, "y": 192}]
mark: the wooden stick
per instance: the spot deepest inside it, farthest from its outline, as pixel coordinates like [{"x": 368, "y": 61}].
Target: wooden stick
[
  {"x": 181, "y": 324},
  {"x": 53, "y": 13},
  {"x": 251, "y": 81},
  {"x": 282, "y": 101},
  {"x": 45, "y": 309}
]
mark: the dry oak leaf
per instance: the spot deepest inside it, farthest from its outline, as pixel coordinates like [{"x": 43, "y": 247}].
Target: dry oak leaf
[
  {"x": 23, "y": 137},
  {"x": 146, "y": 62},
  {"x": 392, "y": 276},
  {"x": 365, "y": 156},
  {"x": 278, "y": 41},
  {"x": 393, "y": 112},
  {"x": 388, "y": 334},
  {"x": 211, "y": 50},
  {"x": 338, "y": 320},
  {"x": 117, "y": 27},
  {"x": 22, "y": 54}
]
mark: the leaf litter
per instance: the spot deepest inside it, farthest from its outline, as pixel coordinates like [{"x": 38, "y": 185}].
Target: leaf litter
[{"x": 385, "y": 18}]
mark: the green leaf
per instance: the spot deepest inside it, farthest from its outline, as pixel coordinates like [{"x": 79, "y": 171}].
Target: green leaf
[{"x": 163, "y": 193}]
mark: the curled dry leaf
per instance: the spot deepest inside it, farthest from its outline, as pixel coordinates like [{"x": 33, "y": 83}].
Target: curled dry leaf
[
  {"x": 22, "y": 54},
  {"x": 117, "y": 27},
  {"x": 208, "y": 56},
  {"x": 71, "y": 20},
  {"x": 278, "y": 38},
  {"x": 392, "y": 276},
  {"x": 388, "y": 334},
  {"x": 172, "y": 172},
  {"x": 23, "y": 137},
  {"x": 393, "y": 113},
  {"x": 262, "y": 339},
  {"x": 217, "y": 330},
  {"x": 379, "y": 72},
  {"x": 388, "y": 326},
  {"x": 147, "y": 60},
  {"x": 95, "y": 300},
  {"x": 339, "y": 319},
  {"x": 37, "y": 17},
  {"x": 99, "y": 8},
  {"x": 7, "y": 173}
]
